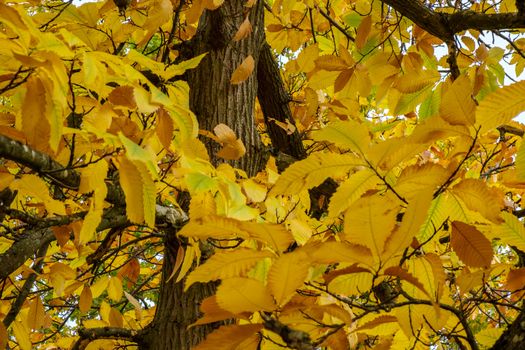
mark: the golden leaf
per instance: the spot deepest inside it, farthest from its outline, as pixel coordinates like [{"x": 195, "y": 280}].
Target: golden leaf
[
  {"x": 243, "y": 71},
  {"x": 244, "y": 30},
  {"x": 229, "y": 337},
  {"x": 457, "y": 104},
  {"x": 85, "y": 300},
  {"x": 238, "y": 295},
  {"x": 227, "y": 264},
  {"x": 286, "y": 275},
  {"x": 232, "y": 148},
  {"x": 36, "y": 314}
]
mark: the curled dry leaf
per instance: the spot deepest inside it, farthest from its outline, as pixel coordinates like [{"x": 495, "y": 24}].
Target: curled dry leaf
[
  {"x": 243, "y": 71},
  {"x": 244, "y": 30},
  {"x": 232, "y": 147}
]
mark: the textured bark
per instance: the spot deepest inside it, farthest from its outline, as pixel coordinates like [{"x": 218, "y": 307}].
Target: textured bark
[
  {"x": 212, "y": 97},
  {"x": 514, "y": 336},
  {"x": 274, "y": 100},
  {"x": 214, "y": 100},
  {"x": 176, "y": 308}
]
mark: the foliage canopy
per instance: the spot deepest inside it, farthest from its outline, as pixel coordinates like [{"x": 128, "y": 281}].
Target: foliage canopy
[{"x": 393, "y": 221}]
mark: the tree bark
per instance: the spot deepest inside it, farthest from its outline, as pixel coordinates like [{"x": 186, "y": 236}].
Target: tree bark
[
  {"x": 214, "y": 100},
  {"x": 212, "y": 97}
]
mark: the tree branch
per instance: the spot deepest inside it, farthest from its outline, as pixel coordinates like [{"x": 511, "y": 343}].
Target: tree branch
[
  {"x": 293, "y": 338},
  {"x": 26, "y": 288},
  {"x": 39, "y": 162},
  {"x": 89, "y": 334}
]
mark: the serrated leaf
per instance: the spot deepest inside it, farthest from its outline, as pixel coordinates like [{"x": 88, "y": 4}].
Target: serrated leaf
[
  {"x": 470, "y": 245},
  {"x": 405, "y": 275},
  {"x": 352, "y": 284},
  {"x": 286, "y": 275},
  {"x": 227, "y": 264},
  {"x": 478, "y": 197},
  {"x": 139, "y": 190},
  {"x": 416, "y": 178},
  {"x": 312, "y": 171},
  {"x": 351, "y": 190},
  {"x": 457, "y": 105},
  {"x": 511, "y": 232},
  {"x": 335, "y": 252},
  {"x": 362, "y": 227},
  {"x": 238, "y": 295},
  {"x": 501, "y": 106},
  {"x": 414, "y": 81},
  {"x": 229, "y": 337},
  {"x": 347, "y": 135},
  {"x": 413, "y": 219}
]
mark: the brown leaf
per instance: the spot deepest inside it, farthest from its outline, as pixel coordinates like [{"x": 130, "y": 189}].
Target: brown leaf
[
  {"x": 470, "y": 245},
  {"x": 123, "y": 96},
  {"x": 363, "y": 31},
  {"x": 243, "y": 71},
  {"x": 233, "y": 148},
  {"x": 244, "y": 30}
]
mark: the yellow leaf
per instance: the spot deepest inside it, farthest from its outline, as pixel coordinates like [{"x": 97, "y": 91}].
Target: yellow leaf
[
  {"x": 217, "y": 227},
  {"x": 312, "y": 171},
  {"x": 511, "y": 232},
  {"x": 22, "y": 335},
  {"x": 413, "y": 219},
  {"x": 164, "y": 128},
  {"x": 336, "y": 252},
  {"x": 226, "y": 264},
  {"x": 243, "y": 71},
  {"x": 212, "y": 312},
  {"x": 228, "y": 337},
  {"x": 244, "y": 30},
  {"x": 416, "y": 178},
  {"x": 286, "y": 275},
  {"x": 477, "y": 196},
  {"x": 36, "y": 128},
  {"x": 347, "y": 135},
  {"x": 470, "y": 245},
  {"x": 115, "y": 290},
  {"x": 86, "y": 299},
  {"x": 352, "y": 283},
  {"x": 275, "y": 236},
  {"x": 36, "y": 314},
  {"x": 331, "y": 63},
  {"x": 414, "y": 81},
  {"x": 139, "y": 190},
  {"x": 488, "y": 336},
  {"x": 99, "y": 286},
  {"x": 243, "y": 294},
  {"x": 33, "y": 186},
  {"x": 361, "y": 225},
  {"x": 457, "y": 104},
  {"x": 501, "y": 106},
  {"x": 405, "y": 275}
]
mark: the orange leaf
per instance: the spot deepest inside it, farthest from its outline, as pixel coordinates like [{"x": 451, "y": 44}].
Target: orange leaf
[
  {"x": 233, "y": 148},
  {"x": 86, "y": 298},
  {"x": 363, "y": 31},
  {"x": 470, "y": 245},
  {"x": 243, "y": 71},
  {"x": 244, "y": 30}
]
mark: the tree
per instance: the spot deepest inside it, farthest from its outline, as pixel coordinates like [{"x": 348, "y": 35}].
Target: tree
[{"x": 246, "y": 174}]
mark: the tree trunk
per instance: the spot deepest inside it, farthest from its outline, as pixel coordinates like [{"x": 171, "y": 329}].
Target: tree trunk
[{"x": 214, "y": 100}]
